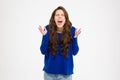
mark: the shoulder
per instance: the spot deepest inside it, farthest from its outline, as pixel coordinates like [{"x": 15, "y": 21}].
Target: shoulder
[
  {"x": 47, "y": 27},
  {"x": 73, "y": 30}
]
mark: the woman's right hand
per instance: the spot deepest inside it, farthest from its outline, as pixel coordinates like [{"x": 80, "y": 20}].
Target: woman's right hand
[{"x": 42, "y": 31}]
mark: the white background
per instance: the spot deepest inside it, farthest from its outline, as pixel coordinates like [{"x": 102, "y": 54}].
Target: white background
[{"x": 99, "y": 42}]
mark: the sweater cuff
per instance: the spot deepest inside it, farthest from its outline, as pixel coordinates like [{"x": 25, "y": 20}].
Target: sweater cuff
[
  {"x": 75, "y": 39},
  {"x": 45, "y": 36}
]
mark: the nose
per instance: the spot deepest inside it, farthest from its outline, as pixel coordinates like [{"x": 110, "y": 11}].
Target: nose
[{"x": 60, "y": 16}]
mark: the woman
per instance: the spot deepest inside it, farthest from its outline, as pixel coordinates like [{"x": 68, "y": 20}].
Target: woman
[{"x": 59, "y": 44}]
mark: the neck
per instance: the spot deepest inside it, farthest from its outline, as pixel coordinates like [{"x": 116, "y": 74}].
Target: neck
[{"x": 59, "y": 30}]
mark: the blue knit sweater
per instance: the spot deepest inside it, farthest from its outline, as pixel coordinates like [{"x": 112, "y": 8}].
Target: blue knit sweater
[{"x": 59, "y": 64}]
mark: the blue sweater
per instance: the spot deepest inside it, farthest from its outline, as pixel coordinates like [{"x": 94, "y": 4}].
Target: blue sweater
[{"x": 59, "y": 64}]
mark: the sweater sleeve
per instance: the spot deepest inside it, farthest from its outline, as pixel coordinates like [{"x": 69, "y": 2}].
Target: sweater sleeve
[
  {"x": 75, "y": 46},
  {"x": 44, "y": 43}
]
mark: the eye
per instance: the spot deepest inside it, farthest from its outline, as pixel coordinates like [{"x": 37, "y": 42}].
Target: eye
[
  {"x": 62, "y": 15},
  {"x": 57, "y": 15}
]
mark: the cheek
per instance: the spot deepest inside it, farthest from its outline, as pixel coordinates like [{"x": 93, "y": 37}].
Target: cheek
[
  {"x": 64, "y": 18},
  {"x": 55, "y": 19}
]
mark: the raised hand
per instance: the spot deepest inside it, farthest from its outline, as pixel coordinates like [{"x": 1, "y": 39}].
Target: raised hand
[
  {"x": 77, "y": 32},
  {"x": 42, "y": 31}
]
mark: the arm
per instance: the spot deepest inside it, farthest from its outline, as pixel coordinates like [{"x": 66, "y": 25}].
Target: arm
[
  {"x": 75, "y": 46},
  {"x": 75, "y": 34},
  {"x": 45, "y": 40},
  {"x": 44, "y": 44}
]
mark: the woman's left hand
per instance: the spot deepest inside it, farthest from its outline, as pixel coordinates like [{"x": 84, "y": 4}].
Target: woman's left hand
[{"x": 77, "y": 32}]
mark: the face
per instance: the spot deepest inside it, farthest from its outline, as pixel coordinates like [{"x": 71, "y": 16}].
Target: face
[{"x": 59, "y": 18}]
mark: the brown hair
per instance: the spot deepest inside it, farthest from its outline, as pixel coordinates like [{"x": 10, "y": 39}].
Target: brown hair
[{"x": 66, "y": 35}]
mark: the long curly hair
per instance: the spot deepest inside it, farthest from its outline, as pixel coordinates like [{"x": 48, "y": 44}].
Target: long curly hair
[{"x": 66, "y": 37}]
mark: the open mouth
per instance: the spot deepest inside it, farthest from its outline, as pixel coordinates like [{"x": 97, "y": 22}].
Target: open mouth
[{"x": 59, "y": 21}]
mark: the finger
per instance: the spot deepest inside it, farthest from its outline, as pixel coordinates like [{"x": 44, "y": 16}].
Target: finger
[
  {"x": 40, "y": 28},
  {"x": 79, "y": 31},
  {"x": 76, "y": 30}
]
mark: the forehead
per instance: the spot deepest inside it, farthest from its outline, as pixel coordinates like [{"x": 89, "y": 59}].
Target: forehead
[{"x": 59, "y": 11}]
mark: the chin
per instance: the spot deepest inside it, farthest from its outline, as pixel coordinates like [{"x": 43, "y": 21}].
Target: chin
[{"x": 59, "y": 26}]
